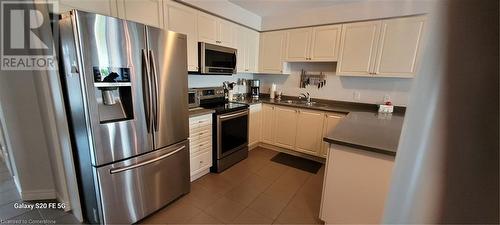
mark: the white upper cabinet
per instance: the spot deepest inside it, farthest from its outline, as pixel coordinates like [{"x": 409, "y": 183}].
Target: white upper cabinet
[
  {"x": 399, "y": 46},
  {"x": 240, "y": 43},
  {"x": 252, "y": 51},
  {"x": 358, "y": 48},
  {"x": 325, "y": 43},
  {"x": 313, "y": 44},
  {"x": 271, "y": 51},
  {"x": 214, "y": 30},
  {"x": 386, "y": 48},
  {"x": 104, "y": 7},
  {"x": 207, "y": 28},
  {"x": 297, "y": 47},
  {"x": 225, "y": 33},
  {"x": 149, "y": 12},
  {"x": 246, "y": 41},
  {"x": 183, "y": 19}
]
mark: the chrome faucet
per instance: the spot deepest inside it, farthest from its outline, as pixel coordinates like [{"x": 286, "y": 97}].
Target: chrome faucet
[{"x": 306, "y": 96}]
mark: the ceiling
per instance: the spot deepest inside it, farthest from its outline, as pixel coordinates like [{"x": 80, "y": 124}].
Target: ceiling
[{"x": 265, "y": 8}]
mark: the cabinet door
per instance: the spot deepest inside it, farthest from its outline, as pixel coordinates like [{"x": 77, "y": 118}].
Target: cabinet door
[
  {"x": 240, "y": 42},
  {"x": 297, "y": 47},
  {"x": 207, "y": 28},
  {"x": 104, "y": 7},
  {"x": 331, "y": 121},
  {"x": 267, "y": 131},
  {"x": 325, "y": 43},
  {"x": 309, "y": 132},
  {"x": 252, "y": 51},
  {"x": 149, "y": 12},
  {"x": 225, "y": 33},
  {"x": 358, "y": 46},
  {"x": 286, "y": 126},
  {"x": 182, "y": 19},
  {"x": 271, "y": 52},
  {"x": 400, "y": 40},
  {"x": 254, "y": 124}
]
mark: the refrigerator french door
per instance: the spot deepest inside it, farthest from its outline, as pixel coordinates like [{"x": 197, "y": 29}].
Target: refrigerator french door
[{"x": 126, "y": 98}]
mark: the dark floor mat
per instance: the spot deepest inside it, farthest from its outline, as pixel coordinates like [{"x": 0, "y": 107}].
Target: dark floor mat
[{"x": 297, "y": 162}]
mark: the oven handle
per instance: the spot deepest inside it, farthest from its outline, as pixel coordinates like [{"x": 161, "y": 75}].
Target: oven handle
[
  {"x": 121, "y": 169},
  {"x": 234, "y": 115}
]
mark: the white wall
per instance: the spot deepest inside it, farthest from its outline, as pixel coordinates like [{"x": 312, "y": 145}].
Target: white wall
[
  {"x": 25, "y": 131},
  {"x": 371, "y": 90},
  {"x": 228, "y": 10},
  {"x": 346, "y": 12}
]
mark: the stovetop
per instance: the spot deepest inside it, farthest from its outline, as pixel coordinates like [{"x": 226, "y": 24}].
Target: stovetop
[{"x": 225, "y": 107}]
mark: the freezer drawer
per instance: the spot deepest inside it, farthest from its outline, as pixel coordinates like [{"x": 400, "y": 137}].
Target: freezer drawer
[{"x": 133, "y": 189}]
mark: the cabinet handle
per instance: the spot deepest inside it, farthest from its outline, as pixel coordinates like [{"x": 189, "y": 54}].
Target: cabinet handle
[
  {"x": 201, "y": 161},
  {"x": 201, "y": 133}
]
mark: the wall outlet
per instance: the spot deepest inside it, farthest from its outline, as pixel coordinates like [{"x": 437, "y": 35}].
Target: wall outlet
[
  {"x": 356, "y": 95},
  {"x": 387, "y": 98}
]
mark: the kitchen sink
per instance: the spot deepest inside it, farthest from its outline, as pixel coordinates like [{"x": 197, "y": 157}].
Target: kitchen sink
[{"x": 305, "y": 103}]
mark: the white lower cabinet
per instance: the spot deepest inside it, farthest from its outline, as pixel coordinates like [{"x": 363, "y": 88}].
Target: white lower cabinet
[
  {"x": 286, "y": 126},
  {"x": 331, "y": 121},
  {"x": 309, "y": 131},
  {"x": 297, "y": 129},
  {"x": 200, "y": 145},
  {"x": 355, "y": 186},
  {"x": 254, "y": 124},
  {"x": 267, "y": 131}
]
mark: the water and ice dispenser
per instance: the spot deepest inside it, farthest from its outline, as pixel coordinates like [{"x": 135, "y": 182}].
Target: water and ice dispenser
[{"x": 113, "y": 91}]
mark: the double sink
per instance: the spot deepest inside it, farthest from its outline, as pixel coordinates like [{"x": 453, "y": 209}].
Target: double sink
[{"x": 304, "y": 103}]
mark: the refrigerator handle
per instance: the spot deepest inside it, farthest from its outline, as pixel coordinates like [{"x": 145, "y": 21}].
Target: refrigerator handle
[
  {"x": 146, "y": 87},
  {"x": 155, "y": 93},
  {"x": 143, "y": 163}
]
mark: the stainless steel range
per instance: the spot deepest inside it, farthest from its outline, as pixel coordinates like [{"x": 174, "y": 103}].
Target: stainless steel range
[
  {"x": 126, "y": 97},
  {"x": 230, "y": 129}
]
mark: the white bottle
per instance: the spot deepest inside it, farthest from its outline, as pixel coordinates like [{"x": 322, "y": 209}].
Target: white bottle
[{"x": 272, "y": 91}]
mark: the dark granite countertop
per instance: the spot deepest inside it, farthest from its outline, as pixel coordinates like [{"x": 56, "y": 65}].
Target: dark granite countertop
[
  {"x": 363, "y": 127},
  {"x": 371, "y": 131},
  {"x": 320, "y": 104},
  {"x": 200, "y": 111}
]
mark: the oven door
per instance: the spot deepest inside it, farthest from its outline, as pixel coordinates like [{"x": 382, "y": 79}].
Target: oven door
[{"x": 232, "y": 132}]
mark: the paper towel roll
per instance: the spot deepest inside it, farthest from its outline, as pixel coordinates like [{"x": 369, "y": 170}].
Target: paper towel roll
[{"x": 272, "y": 91}]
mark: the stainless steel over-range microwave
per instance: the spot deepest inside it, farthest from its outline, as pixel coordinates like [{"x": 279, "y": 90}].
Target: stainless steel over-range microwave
[{"x": 216, "y": 59}]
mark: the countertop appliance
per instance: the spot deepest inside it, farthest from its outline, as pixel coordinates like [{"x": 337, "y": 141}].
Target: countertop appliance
[
  {"x": 254, "y": 88},
  {"x": 193, "y": 98},
  {"x": 125, "y": 89},
  {"x": 216, "y": 60},
  {"x": 230, "y": 128}
]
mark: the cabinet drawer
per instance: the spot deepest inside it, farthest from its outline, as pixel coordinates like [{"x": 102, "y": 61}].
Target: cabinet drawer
[
  {"x": 200, "y": 148},
  {"x": 200, "y": 162},
  {"x": 200, "y": 121},
  {"x": 197, "y": 142},
  {"x": 202, "y": 130}
]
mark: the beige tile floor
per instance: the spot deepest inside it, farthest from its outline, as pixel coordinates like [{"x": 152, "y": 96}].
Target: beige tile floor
[{"x": 254, "y": 191}]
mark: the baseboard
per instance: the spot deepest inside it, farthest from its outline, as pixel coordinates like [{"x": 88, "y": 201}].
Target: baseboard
[
  {"x": 200, "y": 174},
  {"x": 291, "y": 152},
  {"x": 38, "y": 194},
  {"x": 60, "y": 199},
  {"x": 252, "y": 146}
]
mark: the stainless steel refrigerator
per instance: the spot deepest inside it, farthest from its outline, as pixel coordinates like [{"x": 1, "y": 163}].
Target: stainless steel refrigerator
[{"x": 126, "y": 89}]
